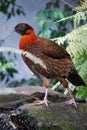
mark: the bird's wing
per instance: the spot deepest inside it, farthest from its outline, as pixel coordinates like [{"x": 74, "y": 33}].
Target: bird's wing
[{"x": 53, "y": 50}]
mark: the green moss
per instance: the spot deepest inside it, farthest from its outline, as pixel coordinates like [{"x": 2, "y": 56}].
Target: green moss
[
  {"x": 47, "y": 116},
  {"x": 60, "y": 127},
  {"x": 51, "y": 128},
  {"x": 82, "y": 108}
]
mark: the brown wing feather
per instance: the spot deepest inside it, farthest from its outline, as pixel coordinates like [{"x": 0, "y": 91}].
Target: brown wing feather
[{"x": 52, "y": 50}]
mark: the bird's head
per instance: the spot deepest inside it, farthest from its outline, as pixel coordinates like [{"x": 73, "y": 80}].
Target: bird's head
[{"x": 23, "y": 28}]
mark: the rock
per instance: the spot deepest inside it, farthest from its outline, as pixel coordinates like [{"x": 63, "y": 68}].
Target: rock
[{"x": 55, "y": 117}]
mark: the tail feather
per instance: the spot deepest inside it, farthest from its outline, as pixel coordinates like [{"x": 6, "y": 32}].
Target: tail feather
[{"x": 75, "y": 79}]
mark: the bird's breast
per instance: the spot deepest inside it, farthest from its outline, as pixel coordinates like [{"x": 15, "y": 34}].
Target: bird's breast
[{"x": 26, "y": 43}]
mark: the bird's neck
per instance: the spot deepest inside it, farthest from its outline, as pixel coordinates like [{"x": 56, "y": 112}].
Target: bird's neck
[
  {"x": 32, "y": 36},
  {"x": 27, "y": 39},
  {"x": 29, "y": 35}
]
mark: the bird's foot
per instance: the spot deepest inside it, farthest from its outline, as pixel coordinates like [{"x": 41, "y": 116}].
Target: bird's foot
[
  {"x": 41, "y": 102},
  {"x": 71, "y": 102}
]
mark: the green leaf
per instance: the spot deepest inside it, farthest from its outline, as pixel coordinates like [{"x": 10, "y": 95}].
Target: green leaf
[
  {"x": 11, "y": 71},
  {"x": 58, "y": 14},
  {"x": 40, "y": 14},
  {"x": 47, "y": 13},
  {"x": 49, "y": 5},
  {"x": 3, "y": 9},
  {"x": 42, "y": 23},
  {"x": 46, "y": 33},
  {"x": 54, "y": 27},
  {"x": 18, "y": 11},
  {"x": 8, "y": 15},
  {"x": 13, "y": 1}
]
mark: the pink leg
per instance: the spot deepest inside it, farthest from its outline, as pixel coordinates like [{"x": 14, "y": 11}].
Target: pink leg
[
  {"x": 44, "y": 101},
  {"x": 72, "y": 100}
]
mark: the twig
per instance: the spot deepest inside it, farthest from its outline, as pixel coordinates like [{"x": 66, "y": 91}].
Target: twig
[
  {"x": 67, "y": 4},
  {"x": 70, "y": 17},
  {"x": 73, "y": 8},
  {"x": 64, "y": 19}
]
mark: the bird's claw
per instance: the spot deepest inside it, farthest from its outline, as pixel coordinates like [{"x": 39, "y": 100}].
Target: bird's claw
[
  {"x": 71, "y": 102},
  {"x": 41, "y": 102}
]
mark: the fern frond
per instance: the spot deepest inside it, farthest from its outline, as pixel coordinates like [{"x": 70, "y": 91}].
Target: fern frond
[
  {"x": 82, "y": 6},
  {"x": 77, "y": 40},
  {"x": 78, "y": 17}
]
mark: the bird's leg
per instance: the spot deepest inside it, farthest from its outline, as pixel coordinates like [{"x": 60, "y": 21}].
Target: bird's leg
[
  {"x": 72, "y": 100},
  {"x": 45, "y": 100},
  {"x": 46, "y": 94},
  {"x": 65, "y": 85}
]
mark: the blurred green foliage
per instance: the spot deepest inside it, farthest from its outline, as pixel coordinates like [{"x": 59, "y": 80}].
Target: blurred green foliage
[
  {"x": 8, "y": 8},
  {"x": 48, "y": 16},
  {"x": 81, "y": 64},
  {"x": 7, "y": 69}
]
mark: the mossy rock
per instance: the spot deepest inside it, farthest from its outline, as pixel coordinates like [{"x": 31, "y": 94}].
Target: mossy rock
[{"x": 55, "y": 117}]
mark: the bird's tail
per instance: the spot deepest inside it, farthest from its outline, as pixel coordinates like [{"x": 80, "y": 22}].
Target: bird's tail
[{"x": 75, "y": 79}]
